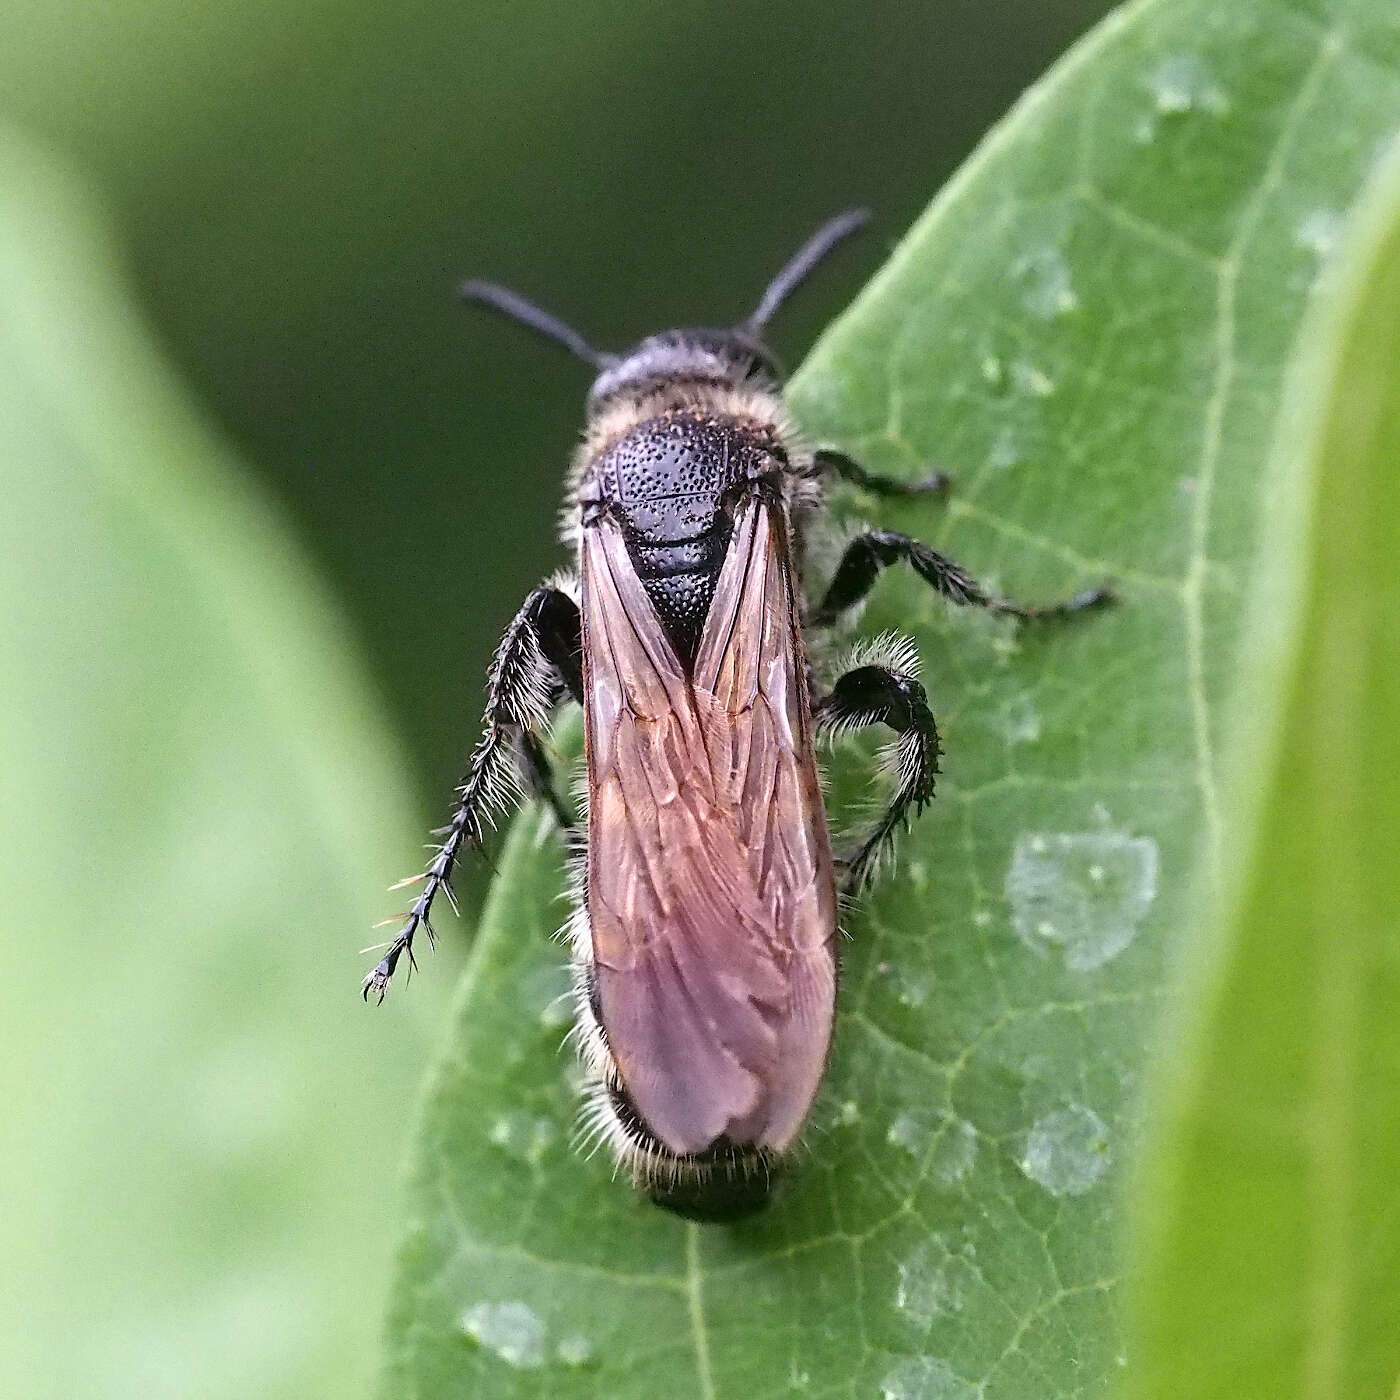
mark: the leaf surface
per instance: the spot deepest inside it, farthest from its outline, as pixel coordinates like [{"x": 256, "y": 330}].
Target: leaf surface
[
  {"x": 1267, "y": 1213},
  {"x": 1089, "y": 327}
]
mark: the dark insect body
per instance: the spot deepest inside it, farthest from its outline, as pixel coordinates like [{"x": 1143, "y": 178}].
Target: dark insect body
[{"x": 704, "y": 942}]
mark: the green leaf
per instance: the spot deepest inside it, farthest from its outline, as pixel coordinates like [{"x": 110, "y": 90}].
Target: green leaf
[
  {"x": 1090, "y": 327},
  {"x": 198, "y": 810},
  {"x": 1266, "y": 1215}
]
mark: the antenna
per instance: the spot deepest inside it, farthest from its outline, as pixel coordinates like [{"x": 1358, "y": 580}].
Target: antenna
[
  {"x": 802, "y": 263},
  {"x": 512, "y": 304}
]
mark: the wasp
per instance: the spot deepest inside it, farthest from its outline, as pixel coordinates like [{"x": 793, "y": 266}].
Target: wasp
[{"x": 704, "y": 942}]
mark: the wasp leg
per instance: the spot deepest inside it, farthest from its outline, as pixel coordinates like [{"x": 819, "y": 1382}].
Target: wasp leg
[
  {"x": 539, "y": 774},
  {"x": 540, "y": 656},
  {"x": 867, "y": 554},
  {"x": 883, "y": 695},
  {"x": 848, "y": 469}
]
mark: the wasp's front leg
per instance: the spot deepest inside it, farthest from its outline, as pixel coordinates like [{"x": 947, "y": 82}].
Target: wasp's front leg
[
  {"x": 539, "y": 659},
  {"x": 868, "y": 554},
  {"x": 848, "y": 469}
]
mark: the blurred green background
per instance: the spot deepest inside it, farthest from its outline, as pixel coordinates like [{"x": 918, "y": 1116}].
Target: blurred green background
[
  {"x": 249, "y": 447},
  {"x": 301, "y": 185}
]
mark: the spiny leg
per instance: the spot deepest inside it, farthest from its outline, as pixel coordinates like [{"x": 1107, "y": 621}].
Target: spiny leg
[
  {"x": 867, "y": 554},
  {"x": 885, "y": 694},
  {"x": 848, "y": 469},
  {"x": 540, "y": 654}
]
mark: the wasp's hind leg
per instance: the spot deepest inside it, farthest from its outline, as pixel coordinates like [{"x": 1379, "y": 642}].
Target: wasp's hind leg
[
  {"x": 885, "y": 690},
  {"x": 540, "y": 658},
  {"x": 867, "y": 554},
  {"x": 848, "y": 469}
]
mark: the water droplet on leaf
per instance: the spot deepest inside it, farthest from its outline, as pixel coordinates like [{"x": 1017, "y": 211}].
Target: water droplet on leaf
[
  {"x": 1084, "y": 893},
  {"x": 1046, "y": 290},
  {"x": 1183, "y": 83},
  {"x": 925, "y": 1291},
  {"x": 574, "y": 1350},
  {"x": 1179, "y": 86},
  {"x": 1030, "y": 380},
  {"x": 512, "y": 1330},
  {"x": 1319, "y": 231},
  {"x": 523, "y": 1136},
  {"x": 1067, "y": 1151}
]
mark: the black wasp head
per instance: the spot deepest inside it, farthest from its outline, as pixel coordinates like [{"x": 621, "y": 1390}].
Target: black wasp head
[{"x": 709, "y": 356}]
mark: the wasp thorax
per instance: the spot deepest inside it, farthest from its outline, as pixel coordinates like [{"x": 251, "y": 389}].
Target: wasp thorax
[{"x": 701, "y": 356}]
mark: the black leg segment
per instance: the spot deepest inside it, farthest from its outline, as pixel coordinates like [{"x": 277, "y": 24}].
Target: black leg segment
[
  {"x": 555, "y": 618},
  {"x": 539, "y": 657},
  {"x": 882, "y": 695},
  {"x": 538, "y": 773},
  {"x": 848, "y": 469},
  {"x": 867, "y": 554}
]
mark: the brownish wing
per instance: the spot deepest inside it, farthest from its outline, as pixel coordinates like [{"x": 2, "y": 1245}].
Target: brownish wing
[{"x": 710, "y": 887}]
